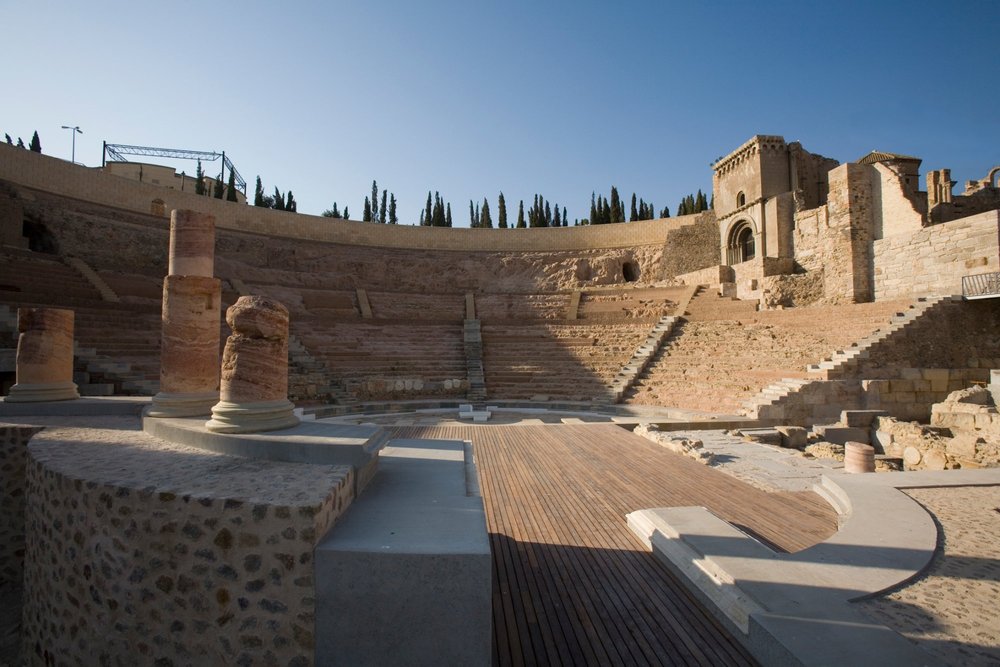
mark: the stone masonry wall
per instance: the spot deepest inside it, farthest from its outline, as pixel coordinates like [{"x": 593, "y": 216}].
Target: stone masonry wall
[
  {"x": 692, "y": 247},
  {"x": 934, "y": 259},
  {"x": 41, "y": 172},
  {"x": 13, "y": 459},
  {"x": 139, "y": 551}
]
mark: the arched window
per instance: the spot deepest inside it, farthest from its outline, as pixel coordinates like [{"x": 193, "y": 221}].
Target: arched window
[
  {"x": 741, "y": 199},
  {"x": 740, "y": 246}
]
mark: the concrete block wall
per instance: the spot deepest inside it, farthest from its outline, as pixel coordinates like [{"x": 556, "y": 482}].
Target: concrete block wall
[
  {"x": 160, "y": 554},
  {"x": 933, "y": 260}
]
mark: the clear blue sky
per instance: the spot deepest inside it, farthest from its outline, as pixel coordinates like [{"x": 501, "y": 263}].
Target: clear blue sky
[{"x": 470, "y": 98}]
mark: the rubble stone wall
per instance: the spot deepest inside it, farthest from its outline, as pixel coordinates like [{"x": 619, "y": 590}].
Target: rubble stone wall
[
  {"x": 13, "y": 483},
  {"x": 934, "y": 259},
  {"x": 161, "y": 554}
]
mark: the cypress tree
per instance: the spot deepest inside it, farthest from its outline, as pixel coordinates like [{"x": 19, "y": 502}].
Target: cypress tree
[
  {"x": 428, "y": 212},
  {"x": 219, "y": 189},
  {"x": 557, "y": 218},
  {"x": 374, "y": 200},
  {"x": 258, "y": 194},
  {"x": 548, "y": 215},
  {"x": 502, "y": 213},
  {"x": 290, "y": 204},
  {"x": 231, "y": 188},
  {"x": 478, "y": 220},
  {"x": 279, "y": 200},
  {"x": 36, "y": 143},
  {"x": 10, "y": 142},
  {"x": 382, "y": 211},
  {"x": 520, "y": 215},
  {"x": 634, "y": 213},
  {"x": 565, "y": 218},
  {"x": 393, "y": 220},
  {"x": 593, "y": 206},
  {"x": 617, "y": 214},
  {"x": 486, "y": 220},
  {"x": 367, "y": 215},
  {"x": 472, "y": 215},
  {"x": 447, "y": 217},
  {"x": 199, "y": 180},
  {"x": 332, "y": 212},
  {"x": 347, "y": 216},
  {"x": 20, "y": 142}
]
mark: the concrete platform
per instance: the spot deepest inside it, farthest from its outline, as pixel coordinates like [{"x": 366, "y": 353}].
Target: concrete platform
[
  {"x": 405, "y": 576},
  {"x": 784, "y": 606},
  {"x": 307, "y": 442},
  {"x": 92, "y": 406}
]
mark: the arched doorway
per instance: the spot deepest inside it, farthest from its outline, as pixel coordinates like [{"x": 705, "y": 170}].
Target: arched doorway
[{"x": 741, "y": 245}]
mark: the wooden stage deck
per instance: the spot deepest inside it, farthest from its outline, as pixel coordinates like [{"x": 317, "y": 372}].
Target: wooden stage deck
[{"x": 572, "y": 585}]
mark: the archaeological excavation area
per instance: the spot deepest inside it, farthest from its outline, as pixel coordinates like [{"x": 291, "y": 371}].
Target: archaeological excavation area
[{"x": 762, "y": 434}]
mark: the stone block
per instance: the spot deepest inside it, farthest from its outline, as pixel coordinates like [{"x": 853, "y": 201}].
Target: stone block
[
  {"x": 935, "y": 373},
  {"x": 900, "y": 385},
  {"x": 792, "y": 437},
  {"x": 910, "y": 373},
  {"x": 841, "y": 435},
  {"x": 860, "y": 418}
]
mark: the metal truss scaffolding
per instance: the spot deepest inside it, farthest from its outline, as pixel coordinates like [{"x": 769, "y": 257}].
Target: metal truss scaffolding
[{"x": 118, "y": 153}]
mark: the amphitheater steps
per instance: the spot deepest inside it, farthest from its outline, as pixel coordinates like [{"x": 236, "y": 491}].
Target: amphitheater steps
[
  {"x": 845, "y": 361},
  {"x": 473, "y": 344}
]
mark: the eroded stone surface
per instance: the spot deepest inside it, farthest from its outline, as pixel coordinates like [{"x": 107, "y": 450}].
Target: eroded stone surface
[
  {"x": 192, "y": 244},
  {"x": 44, "y": 356},
  {"x": 189, "y": 355}
]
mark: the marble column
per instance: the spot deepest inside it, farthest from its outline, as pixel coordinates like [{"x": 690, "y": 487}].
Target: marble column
[
  {"x": 191, "y": 315},
  {"x": 254, "y": 389},
  {"x": 44, "y": 356},
  {"x": 189, "y": 347}
]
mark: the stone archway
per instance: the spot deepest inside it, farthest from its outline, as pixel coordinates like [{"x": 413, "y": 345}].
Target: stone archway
[
  {"x": 741, "y": 243},
  {"x": 631, "y": 271},
  {"x": 993, "y": 178}
]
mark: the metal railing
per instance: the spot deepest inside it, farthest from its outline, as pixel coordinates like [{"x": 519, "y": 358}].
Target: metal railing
[{"x": 981, "y": 286}]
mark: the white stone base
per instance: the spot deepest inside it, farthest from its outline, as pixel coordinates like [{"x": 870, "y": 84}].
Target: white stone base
[
  {"x": 252, "y": 417},
  {"x": 195, "y": 404},
  {"x": 39, "y": 393}
]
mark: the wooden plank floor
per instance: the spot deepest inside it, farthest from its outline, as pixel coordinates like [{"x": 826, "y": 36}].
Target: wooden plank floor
[{"x": 572, "y": 585}]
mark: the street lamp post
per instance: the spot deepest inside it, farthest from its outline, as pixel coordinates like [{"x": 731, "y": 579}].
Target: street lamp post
[{"x": 75, "y": 129}]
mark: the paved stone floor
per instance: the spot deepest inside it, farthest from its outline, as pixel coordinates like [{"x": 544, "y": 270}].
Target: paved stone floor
[{"x": 952, "y": 610}]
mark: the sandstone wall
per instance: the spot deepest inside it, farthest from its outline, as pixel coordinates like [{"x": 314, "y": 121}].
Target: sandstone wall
[
  {"x": 893, "y": 212},
  {"x": 933, "y": 260},
  {"x": 158, "y": 554},
  {"x": 691, "y": 247},
  {"x": 40, "y": 172}
]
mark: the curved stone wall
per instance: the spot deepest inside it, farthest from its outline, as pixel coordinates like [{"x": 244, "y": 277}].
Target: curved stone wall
[
  {"x": 140, "y": 551},
  {"x": 48, "y": 174}
]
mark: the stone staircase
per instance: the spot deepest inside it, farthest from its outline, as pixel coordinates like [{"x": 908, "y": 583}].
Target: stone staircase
[
  {"x": 309, "y": 379},
  {"x": 473, "y": 341},
  {"x": 641, "y": 358},
  {"x": 844, "y": 363}
]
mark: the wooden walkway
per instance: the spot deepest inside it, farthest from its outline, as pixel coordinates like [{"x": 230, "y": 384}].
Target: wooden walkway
[{"x": 572, "y": 585}]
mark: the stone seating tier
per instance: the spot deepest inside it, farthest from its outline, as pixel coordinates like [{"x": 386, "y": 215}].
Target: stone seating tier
[
  {"x": 36, "y": 278},
  {"x": 569, "y": 361},
  {"x": 728, "y": 352}
]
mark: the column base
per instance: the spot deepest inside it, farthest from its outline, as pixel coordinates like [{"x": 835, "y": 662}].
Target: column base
[
  {"x": 179, "y": 404},
  {"x": 252, "y": 417},
  {"x": 43, "y": 392}
]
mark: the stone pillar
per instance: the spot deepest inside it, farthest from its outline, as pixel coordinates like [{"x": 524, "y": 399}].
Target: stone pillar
[
  {"x": 189, "y": 347},
  {"x": 859, "y": 457},
  {"x": 192, "y": 244},
  {"x": 44, "y": 356},
  {"x": 995, "y": 387},
  {"x": 254, "y": 391},
  {"x": 192, "y": 306}
]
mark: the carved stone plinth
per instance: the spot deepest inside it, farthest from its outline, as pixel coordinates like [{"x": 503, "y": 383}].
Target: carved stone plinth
[
  {"x": 192, "y": 244},
  {"x": 859, "y": 457},
  {"x": 189, "y": 347},
  {"x": 44, "y": 356},
  {"x": 254, "y": 388}
]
